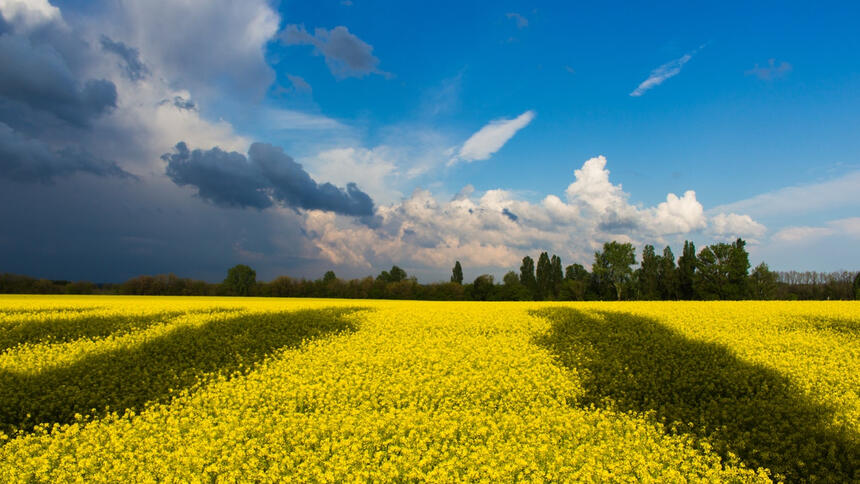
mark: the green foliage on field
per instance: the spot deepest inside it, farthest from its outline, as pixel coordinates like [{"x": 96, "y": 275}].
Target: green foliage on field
[
  {"x": 129, "y": 377},
  {"x": 749, "y": 413}
]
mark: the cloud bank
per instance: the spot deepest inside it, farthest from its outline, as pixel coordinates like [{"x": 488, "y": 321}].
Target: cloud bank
[
  {"x": 497, "y": 228},
  {"x": 28, "y": 160}
]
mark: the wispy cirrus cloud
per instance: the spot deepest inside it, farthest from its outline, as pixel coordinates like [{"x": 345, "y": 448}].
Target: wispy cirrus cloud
[
  {"x": 665, "y": 71},
  {"x": 521, "y": 21},
  {"x": 490, "y": 139},
  {"x": 845, "y": 227}
]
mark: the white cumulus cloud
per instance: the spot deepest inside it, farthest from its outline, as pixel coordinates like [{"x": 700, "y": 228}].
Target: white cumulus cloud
[{"x": 732, "y": 225}]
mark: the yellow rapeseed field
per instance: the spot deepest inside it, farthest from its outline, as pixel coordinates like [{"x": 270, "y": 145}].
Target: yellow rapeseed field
[{"x": 163, "y": 389}]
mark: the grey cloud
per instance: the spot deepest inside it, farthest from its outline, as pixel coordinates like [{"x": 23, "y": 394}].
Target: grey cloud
[
  {"x": 182, "y": 103},
  {"x": 771, "y": 71},
  {"x": 345, "y": 54},
  {"x": 292, "y": 185},
  {"x": 266, "y": 174},
  {"x": 134, "y": 68},
  {"x": 225, "y": 179},
  {"x": 423, "y": 239},
  {"x": 509, "y": 214},
  {"x": 4, "y": 26},
  {"x": 614, "y": 224},
  {"x": 28, "y": 160},
  {"x": 464, "y": 193},
  {"x": 109, "y": 232},
  {"x": 36, "y": 78},
  {"x": 48, "y": 104}
]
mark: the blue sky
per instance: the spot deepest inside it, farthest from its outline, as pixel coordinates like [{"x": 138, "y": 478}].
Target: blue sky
[{"x": 356, "y": 135}]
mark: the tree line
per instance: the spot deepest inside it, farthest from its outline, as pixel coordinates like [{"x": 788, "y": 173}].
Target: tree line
[{"x": 718, "y": 271}]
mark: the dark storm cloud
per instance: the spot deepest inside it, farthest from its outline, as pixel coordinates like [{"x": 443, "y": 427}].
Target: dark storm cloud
[
  {"x": 225, "y": 179},
  {"x": 109, "y": 232},
  {"x": 27, "y": 160},
  {"x": 266, "y": 174},
  {"x": 36, "y": 77},
  {"x": 134, "y": 68},
  {"x": 345, "y": 54},
  {"x": 47, "y": 105},
  {"x": 509, "y": 214},
  {"x": 4, "y": 27}
]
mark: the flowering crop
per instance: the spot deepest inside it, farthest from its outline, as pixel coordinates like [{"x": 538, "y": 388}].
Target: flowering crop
[{"x": 241, "y": 389}]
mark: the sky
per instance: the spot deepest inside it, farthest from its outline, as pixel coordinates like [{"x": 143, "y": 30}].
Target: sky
[{"x": 155, "y": 136}]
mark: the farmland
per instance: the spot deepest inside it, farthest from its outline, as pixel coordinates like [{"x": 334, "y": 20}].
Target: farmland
[{"x": 146, "y": 389}]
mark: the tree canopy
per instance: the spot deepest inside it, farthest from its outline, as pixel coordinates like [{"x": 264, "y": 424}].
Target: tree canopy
[{"x": 240, "y": 280}]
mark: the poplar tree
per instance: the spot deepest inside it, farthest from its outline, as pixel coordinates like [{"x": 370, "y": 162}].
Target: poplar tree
[
  {"x": 527, "y": 275},
  {"x": 648, "y": 273},
  {"x": 667, "y": 276},
  {"x": 457, "y": 273},
  {"x": 544, "y": 276},
  {"x": 687, "y": 271},
  {"x": 556, "y": 275}
]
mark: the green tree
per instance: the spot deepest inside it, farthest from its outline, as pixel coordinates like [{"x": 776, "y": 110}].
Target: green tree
[
  {"x": 687, "y": 271},
  {"x": 329, "y": 277},
  {"x": 612, "y": 269},
  {"x": 667, "y": 276},
  {"x": 575, "y": 284},
  {"x": 457, "y": 273},
  {"x": 712, "y": 271},
  {"x": 240, "y": 279},
  {"x": 648, "y": 274},
  {"x": 544, "y": 277},
  {"x": 576, "y": 272},
  {"x": 482, "y": 288},
  {"x": 527, "y": 276},
  {"x": 556, "y": 275},
  {"x": 762, "y": 282},
  {"x": 512, "y": 289},
  {"x": 722, "y": 271},
  {"x": 856, "y": 286},
  {"x": 738, "y": 270},
  {"x": 395, "y": 275}
]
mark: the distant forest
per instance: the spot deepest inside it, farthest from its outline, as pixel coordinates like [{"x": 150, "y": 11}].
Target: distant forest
[{"x": 718, "y": 272}]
